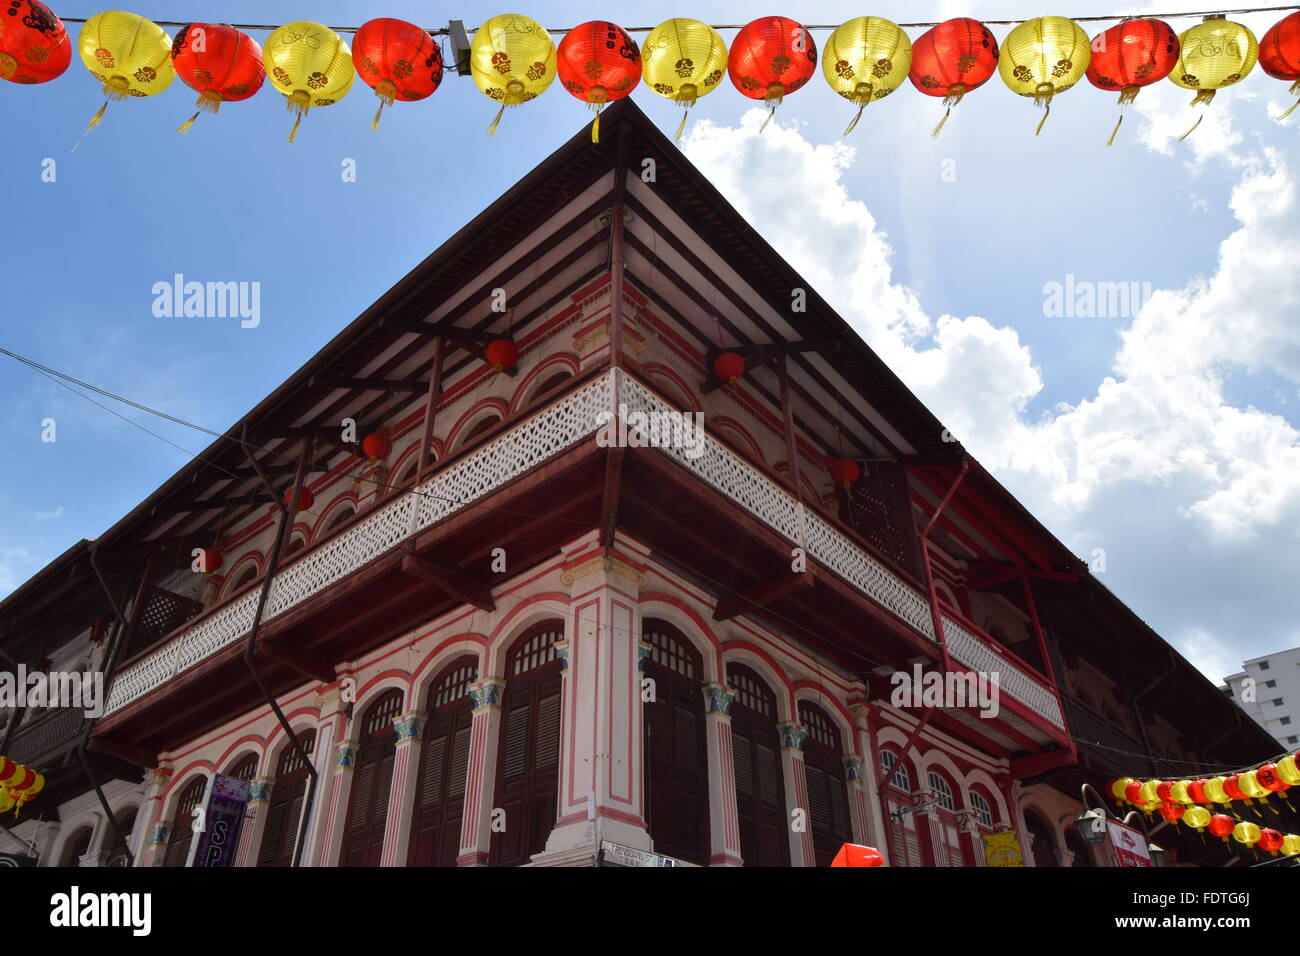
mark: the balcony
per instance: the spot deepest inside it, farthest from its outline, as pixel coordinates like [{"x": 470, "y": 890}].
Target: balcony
[
  {"x": 38, "y": 740},
  {"x": 564, "y": 425}
]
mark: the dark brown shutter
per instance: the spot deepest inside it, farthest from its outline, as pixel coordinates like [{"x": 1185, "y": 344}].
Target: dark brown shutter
[
  {"x": 363, "y": 840},
  {"x": 178, "y": 845},
  {"x": 285, "y": 808},
  {"x": 529, "y": 765},
  {"x": 760, "y": 789},
  {"x": 245, "y": 768},
  {"x": 676, "y": 772},
  {"x": 828, "y": 805},
  {"x": 444, "y": 763}
]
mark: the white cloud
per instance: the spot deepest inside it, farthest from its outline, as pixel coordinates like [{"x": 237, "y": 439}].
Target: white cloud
[
  {"x": 16, "y": 566},
  {"x": 49, "y": 515}
]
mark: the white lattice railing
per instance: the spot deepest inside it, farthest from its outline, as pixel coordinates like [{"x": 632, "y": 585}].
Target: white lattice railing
[
  {"x": 778, "y": 509},
  {"x": 517, "y": 451}
]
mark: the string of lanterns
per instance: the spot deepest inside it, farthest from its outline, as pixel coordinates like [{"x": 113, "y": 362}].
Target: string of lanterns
[
  {"x": 1204, "y": 803},
  {"x": 513, "y": 60},
  {"x": 19, "y": 785}
]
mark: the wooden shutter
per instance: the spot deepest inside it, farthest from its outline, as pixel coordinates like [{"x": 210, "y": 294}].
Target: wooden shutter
[
  {"x": 896, "y": 795},
  {"x": 676, "y": 770},
  {"x": 760, "y": 789},
  {"x": 828, "y": 804},
  {"x": 178, "y": 845},
  {"x": 284, "y": 812},
  {"x": 245, "y": 768},
  {"x": 529, "y": 763},
  {"x": 444, "y": 763},
  {"x": 363, "y": 840}
]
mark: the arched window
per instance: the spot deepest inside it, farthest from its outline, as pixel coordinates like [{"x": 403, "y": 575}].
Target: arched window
[
  {"x": 444, "y": 765},
  {"x": 983, "y": 812},
  {"x": 245, "y": 768},
  {"x": 342, "y": 517},
  {"x": 528, "y": 764},
  {"x": 552, "y": 380},
  {"x": 760, "y": 790},
  {"x": 363, "y": 840},
  {"x": 1074, "y": 843},
  {"x": 77, "y": 847},
  {"x": 116, "y": 855},
  {"x": 182, "y": 834},
  {"x": 896, "y": 795},
  {"x": 1040, "y": 840},
  {"x": 296, "y": 543},
  {"x": 481, "y": 426},
  {"x": 945, "y": 828},
  {"x": 408, "y": 473},
  {"x": 828, "y": 800},
  {"x": 246, "y": 577},
  {"x": 676, "y": 766},
  {"x": 284, "y": 811}
]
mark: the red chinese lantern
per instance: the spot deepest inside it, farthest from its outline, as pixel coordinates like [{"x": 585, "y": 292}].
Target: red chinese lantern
[
  {"x": 1131, "y": 55},
  {"x": 1221, "y": 826},
  {"x": 305, "y": 499},
  {"x": 377, "y": 445},
  {"x": 210, "y": 560},
  {"x": 1164, "y": 790},
  {"x": 398, "y": 60},
  {"x": 1196, "y": 790},
  {"x": 1269, "y": 841},
  {"x": 1268, "y": 777},
  {"x": 951, "y": 59},
  {"x": 598, "y": 62},
  {"x": 1231, "y": 789},
  {"x": 771, "y": 57},
  {"x": 728, "y": 367},
  {"x": 1133, "y": 794},
  {"x": 845, "y": 472},
  {"x": 223, "y": 64},
  {"x": 34, "y": 46},
  {"x": 1171, "y": 811},
  {"x": 502, "y": 354},
  {"x": 1279, "y": 54}
]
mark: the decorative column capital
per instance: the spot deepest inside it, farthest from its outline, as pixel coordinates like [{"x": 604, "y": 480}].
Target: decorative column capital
[
  {"x": 562, "y": 653},
  {"x": 718, "y": 699},
  {"x": 853, "y": 768},
  {"x": 643, "y": 651},
  {"x": 158, "y": 835},
  {"x": 409, "y": 727},
  {"x": 260, "y": 789},
  {"x": 487, "y": 693},
  {"x": 860, "y": 710},
  {"x": 345, "y": 754},
  {"x": 792, "y": 736},
  {"x": 160, "y": 778}
]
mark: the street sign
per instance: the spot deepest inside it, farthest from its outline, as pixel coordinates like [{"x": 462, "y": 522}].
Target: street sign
[
  {"x": 223, "y": 817},
  {"x": 615, "y": 854},
  {"x": 1130, "y": 844}
]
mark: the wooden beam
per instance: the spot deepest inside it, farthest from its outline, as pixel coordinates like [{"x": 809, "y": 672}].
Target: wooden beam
[
  {"x": 609, "y": 499},
  {"x": 453, "y": 583},
  {"x": 303, "y": 662},
  {"x": 372, "y": 384},
  {"x": 761, "y": 594},
  {"x": 210, "y": 504},
  {"x": 133, "y": 755}
]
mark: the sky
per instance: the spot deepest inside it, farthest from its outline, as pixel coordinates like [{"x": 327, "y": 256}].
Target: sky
[{"x": 1164, "y": 436}]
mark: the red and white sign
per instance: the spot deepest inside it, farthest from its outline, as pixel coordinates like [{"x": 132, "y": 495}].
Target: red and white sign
[{"x": 1130, "y": 845}]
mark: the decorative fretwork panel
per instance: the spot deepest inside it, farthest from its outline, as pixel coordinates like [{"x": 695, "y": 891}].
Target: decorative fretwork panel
[
  {"x": 882, "y": 515},
  {"x": 974, "y": 654},
  {"x": 163, "y": 613}
]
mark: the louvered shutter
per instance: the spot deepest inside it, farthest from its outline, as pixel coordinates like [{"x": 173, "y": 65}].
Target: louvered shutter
[
  {"x": 828, "y": 808},
  {"x": 760, "y": 789},
  {"x": 182, "y": 834},
  {"x": 363, "y": 841},
  {"x": 284, "y": 811},
  {"x": 444, "y": 763}
]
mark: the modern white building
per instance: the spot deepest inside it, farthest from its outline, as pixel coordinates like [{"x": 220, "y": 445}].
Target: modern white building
[{"x": 1268, "y": 689}]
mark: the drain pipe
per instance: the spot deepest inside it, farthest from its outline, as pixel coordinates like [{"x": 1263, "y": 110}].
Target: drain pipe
[{"x": 287, "y": 514}]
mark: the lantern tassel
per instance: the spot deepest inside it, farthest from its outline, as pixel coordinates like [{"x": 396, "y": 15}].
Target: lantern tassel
[
  {"x": 935, "y": 132},
  {"x": 1047, "y": 111},
  {"x": 1203, "y": 96},
  {"x": 1193, "y": 129},
  {"x": 849, "y": 129},
  {"x": 185, "y": 127},
  {"x": 1289, "y": 112},
  {"x": 1111, "y": 141},
  {"x": 1129, "y": 94},
  {"x": 496, "y": 121},
  {"x": 94, "y": 121},
  {"x": 297, "y": 103},
  {"x": 595, "y": 129},
  {"x": 681, "y": 127},
  {"x": 209, "y": 101},
  {"x": 770, "y": 113}
]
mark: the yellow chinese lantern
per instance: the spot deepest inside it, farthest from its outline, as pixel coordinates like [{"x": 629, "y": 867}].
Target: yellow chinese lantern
[
  {"x": 310, "y": 64},
  {"x": 1212, "y": 55},
  {"x": 1180, "y": 792},
  {"x": 1291, "y": 844},
  {"x": 683, "y": 60},
  {"x": 1287, "y": 770},
  {"x": 1197, "y": 817},
  {"x": 866, "y": 59},
  {"x": 1214, "y": 789},
  {"x": 1249, "y": 784},
  {"x": 130, "y": 55},
  {"x": 1043, "y": 57},
  {"x": 1246, "y": 833},
  {"x": 1150, "y": 794},
  {"x": 512, "y": 60}
]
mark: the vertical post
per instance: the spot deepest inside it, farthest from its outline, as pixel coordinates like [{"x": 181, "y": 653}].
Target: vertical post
[
  {"x": 480, "y": 783},
  {"x": 935, "y": 617},
  {"x": 724, "y": 824},
  {"x": 616, "y": 255},
  {"x": 431, "y": 405},
  {"x": 792, "y": 736},
  {"x": 791, "y": 450},
  {"x": 1048, "y": 670}
]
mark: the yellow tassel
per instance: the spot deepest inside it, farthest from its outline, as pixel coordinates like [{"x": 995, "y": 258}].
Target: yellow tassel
[
  {"x": 770, "y": 113},
  {"x": 681, "y": 127},
  {"x": 293, "y": 133},
  {"x": 1289, "y": 112},
  {"x": 935, "y": 132},
  {"x": 1129, "y": 94},
  {"x": 849, "y": 129},
  {"x": 386, "y": 90},
  {"x": 94, "y": 121},
  {"x": 1047, "y": 111},
  {"x": 209, "y": 101},
  {"x": 955, "y": 92},
  {"x": 1204, "y": 96},
  {"x": 117, "y": 87},
  {"x": 496, "y": 121},
  {"x": 374, "y": 123},
  {"x": 1111, "y": 141},
  {"x": 595, "y": 128},
  {"x": 1193, "y": 129},
  {"x": 185, "y": 127}
]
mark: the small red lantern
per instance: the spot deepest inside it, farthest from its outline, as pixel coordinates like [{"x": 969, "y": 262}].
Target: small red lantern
[
  {"x": 223, "y": 64},
  {"x": 770, "y": 58},
  {"x": 1221, "y": 826},
  {"x": 845, "y": 472},
  {"x": 1269, "y": 840},
  {"x": 951, "y": 59},
  {"x": 728, "y": 367},
  {"x": 1164, "y": 790},
  {"x": 1279, "y": 54},
  {"x": 210, "y": 560},
  {"x": 502, "y": 354},
  {"x": 1231, "y": 789},
  {"x": 34, "y": 45},
  {"x": 1130, "y": 55},
  {"x": 398, "y": 60},
  {"x": 1196, "y": 790},
  {"x": 1133, "y": 794},
  {"x": 1269, "y": 780},
  {"x": 1171, "y": 811},
  {"x": 598, "y": 62},
  {"x": 377, "y": 445},
  {"x": 305, "y": 499}
]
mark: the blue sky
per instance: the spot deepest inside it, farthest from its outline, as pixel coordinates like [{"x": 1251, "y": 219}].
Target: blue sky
[{"x": 1166, "y": 438}]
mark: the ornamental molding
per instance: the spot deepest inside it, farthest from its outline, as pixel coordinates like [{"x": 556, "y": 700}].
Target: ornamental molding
[
  {"x": 643, "y": 651},
  {"x": 562, "y": 654},
  {"x": 853, "y": 768},
  {"x": 409, "y": 727},
  {"x": 718, "y": 699},
  {"x": 792, "y": 736},
  {"x": 603, "y": 562},
  {"x": 487, "y": 693},
  {"x": 345, "y": 755},
  {"x": 158, "y": 835}
]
